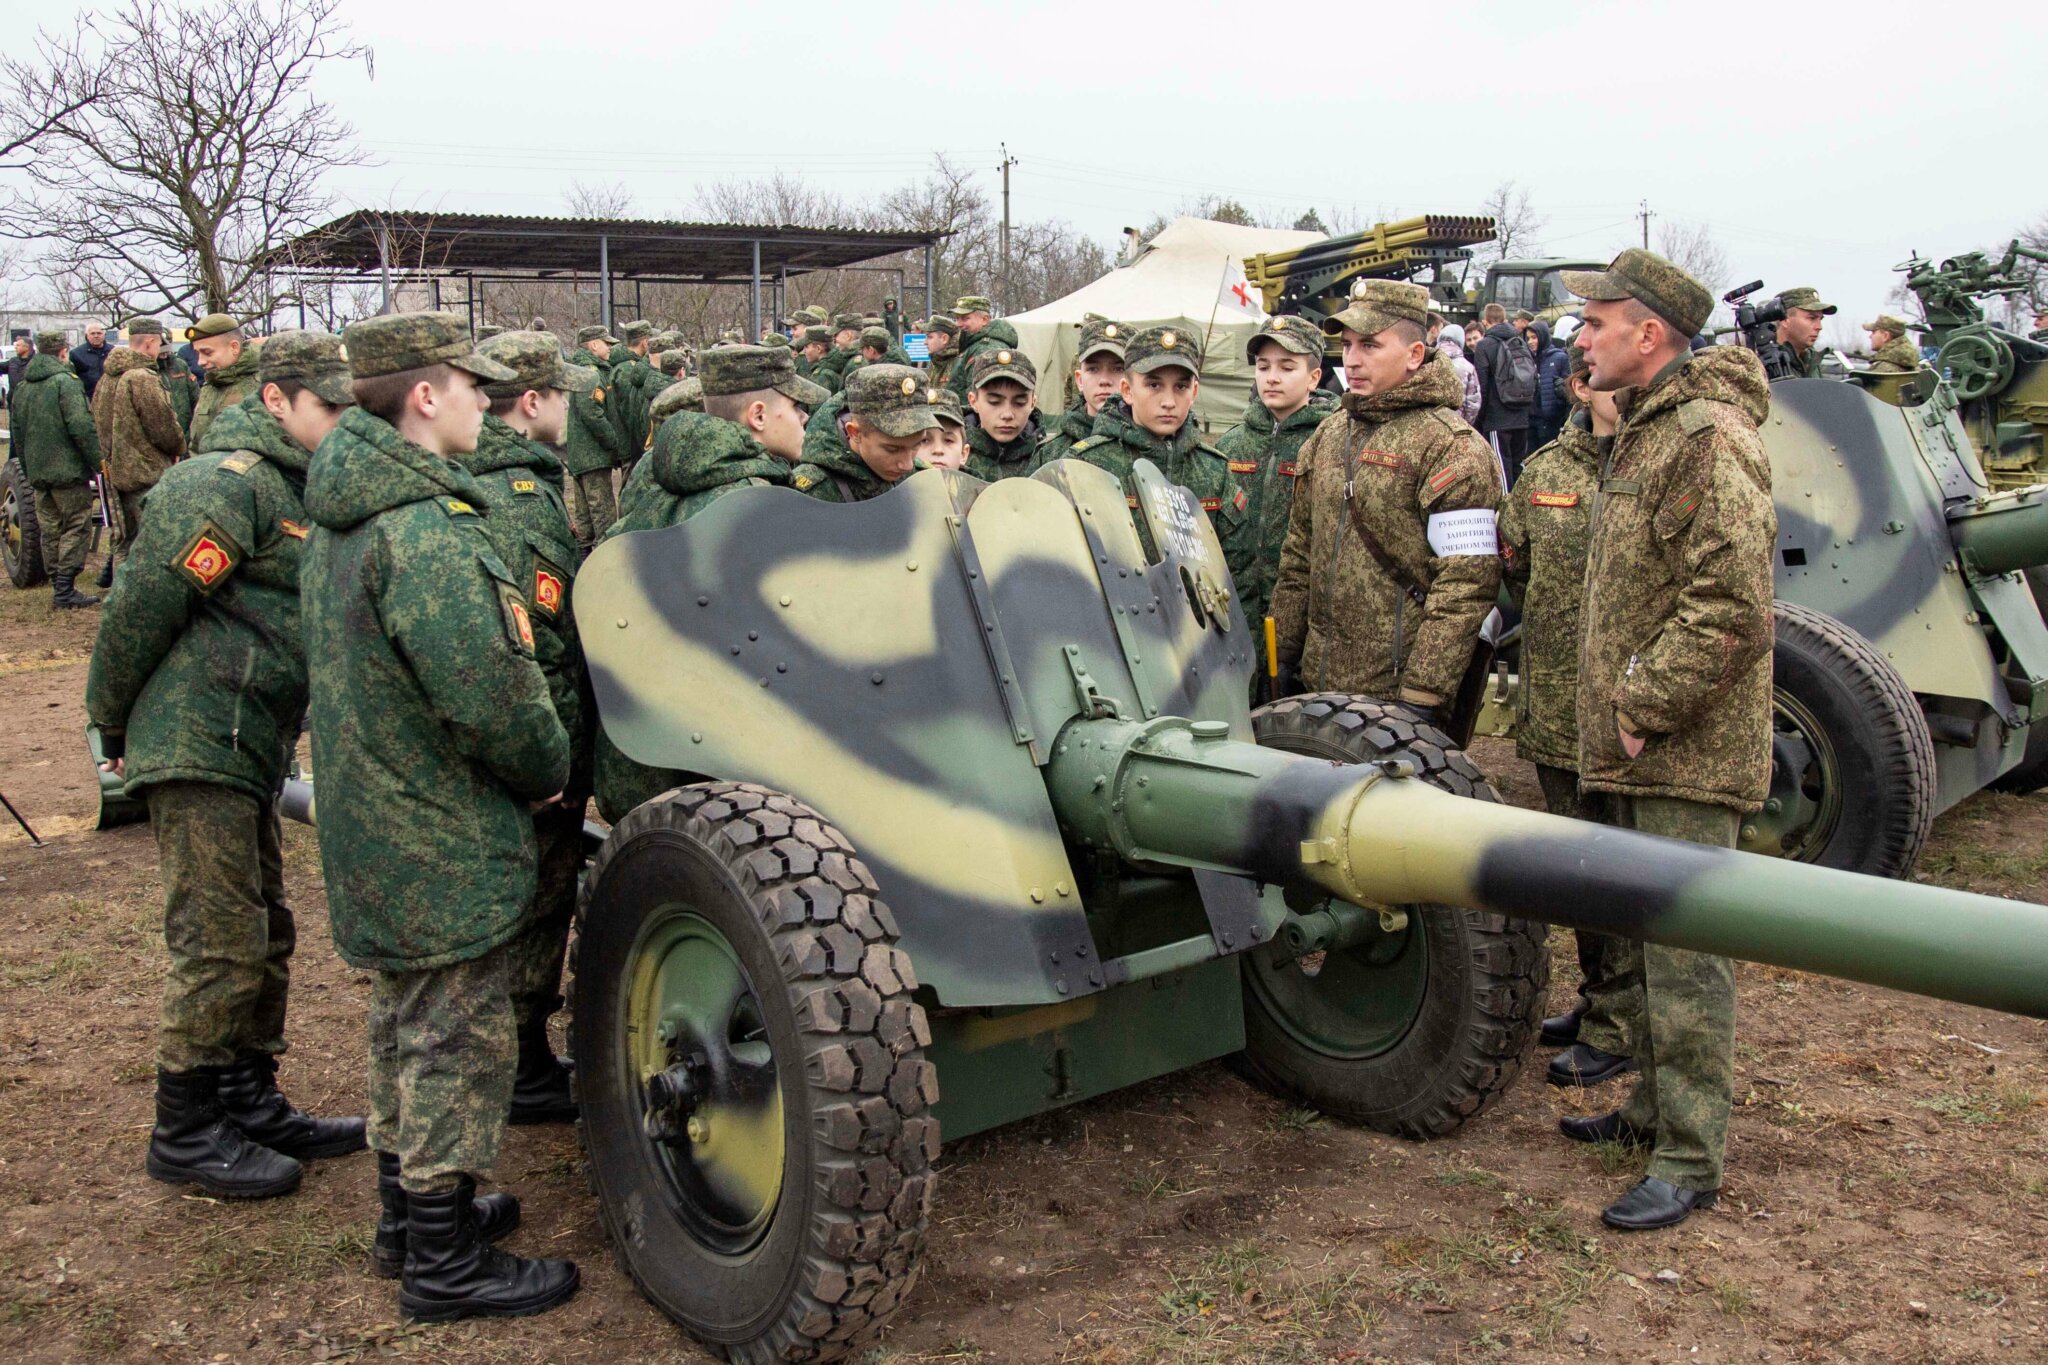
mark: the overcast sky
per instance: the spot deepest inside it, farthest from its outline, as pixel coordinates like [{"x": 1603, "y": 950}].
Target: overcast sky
[{"x": 1821, "y": 144}]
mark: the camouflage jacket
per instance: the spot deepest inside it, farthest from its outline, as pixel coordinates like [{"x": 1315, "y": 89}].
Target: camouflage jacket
[
  {"x": 140, "y": 436},
  {"x": 1116, "y": 443},
  {"x": 830, "y": 372},
  {"x": 1678, "y": 590},
  {"x": 432, "y": 724},
  {"x": 1259, "y": 458},
  {"x": 696, "y": 460},
  {"x": 1067, "y": 429},
  {"x": 1543, "y": 528},
  {"x": 199, "y": 671},
  {"x": 678, "y": 395},
  {"x": 591, "y": 441},
  {"x": 994, "y": 337},
  {"x": 822, "y": 435},
  {"x": 181, "y": 386},
  {"x": 990, "y": 462},
  {"x": 838, "y": 475},
  {"x": 626, "y": 400},
  {"x": 224, "y": 388},
  {"x": 51, "y": 430},
  {"x": 1897, "y": 356},
  {"x": 1412, "y": 466},
  {"x": 528, "y": 527}
]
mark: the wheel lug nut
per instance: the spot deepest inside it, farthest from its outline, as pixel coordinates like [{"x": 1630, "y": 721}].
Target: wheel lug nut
[{"x": 699, "y": 1130}]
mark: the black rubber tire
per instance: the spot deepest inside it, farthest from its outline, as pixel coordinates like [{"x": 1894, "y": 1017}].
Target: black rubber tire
[
  {"x": 1488, "y": 974},
  {"x": 1879, "y": 736},
  {"x": 817, "y": 948},
  {"x": 2031, "y": 773},
  {"x": 21, "y": 535}
]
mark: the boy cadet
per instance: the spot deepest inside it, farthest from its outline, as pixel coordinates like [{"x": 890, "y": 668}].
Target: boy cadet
[
  {"x": 941, "y": 344},
  {"x": 1098, "y": 371},
  {"x": 230, "y": 363},
  {"x": 889, "y": 408},
  {"x": 433, "y": 735},
  {"x": 1674, "y": 700},
  {"x": 1543, "y": 531},
  {"x": 1153, "y": 416},
  {"x": 750, "y": 433},
  {"x": 811, "y": 345},
  {"x": 1391, "y": 557},
  {"x": 59, "y": 450},
  {"x": 872, "y": 346},
  {"x": 945, "y": 445},
  {"x": 528, "y": 526},
  {"x": 181, "y": 386},
  {"x": 831, "y": 371},
  {"x": 140, "y": 436},
  {"x": 1893, "y": 352},
  {"x": 1260, "y": 454},
  {"x": 629, "y": 376},
  {"x": 198, "y": 681},
  {"x": 686, "y": 394},
  {"x": 591, "y": 444},
  {"x": 1003, "y": 438}
]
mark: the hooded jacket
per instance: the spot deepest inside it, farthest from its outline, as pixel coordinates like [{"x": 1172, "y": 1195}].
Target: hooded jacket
[
  {"x": 1260, "y": 459},
  {"x": 1066, "y": 430},
  {"x": 51, "y": 425},
  {"x": 991, "y": 462},
  {"x": 627, "y": 400},
  {"x": 1543, "y": 530},
  {"x": 1116, "y": 443},
  {"x": 1553, "y": 368},
  {"x": 591, "y": 442},
  {"x": 140, "y": 436},
  {"x": 1495, "y": 415},
  {"x": 199, "y": 671},
  {"x": 181, "y": 386},
  {"x": 224, "y": 388},
  {"x": 432, "y": 724},
  {"x": 1452, "y": 343},
  {"x": 1677, "y": 638},
  {"x": 838, "y": 475},
  {"x": 1897, "y": 356}
]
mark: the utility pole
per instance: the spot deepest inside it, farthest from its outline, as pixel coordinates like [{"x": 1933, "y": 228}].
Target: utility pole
[
  {"x": 1003, "y": 285},
  {"x": 1644, "y": 213}
]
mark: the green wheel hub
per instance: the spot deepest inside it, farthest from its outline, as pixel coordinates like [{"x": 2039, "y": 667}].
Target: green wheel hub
[
  {"x": 1805, "y": 802},
  {"x": 711, "y": 1101}
]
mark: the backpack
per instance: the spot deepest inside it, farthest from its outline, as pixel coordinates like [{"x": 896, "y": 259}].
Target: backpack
[{"x": 1514, "y": 373}]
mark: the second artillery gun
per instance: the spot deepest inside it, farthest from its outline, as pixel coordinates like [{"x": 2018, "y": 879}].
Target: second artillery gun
[
  {"x": 975, "y": 824},
  {"x": 2000, "y": 378}
]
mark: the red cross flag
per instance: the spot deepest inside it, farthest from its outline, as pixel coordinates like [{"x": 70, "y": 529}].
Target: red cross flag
[{"x": 1236, "y": 295}]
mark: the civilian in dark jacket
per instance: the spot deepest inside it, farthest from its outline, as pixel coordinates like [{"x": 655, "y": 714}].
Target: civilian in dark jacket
[
  {"x": 24, "y": 351},
  {"x": 1553, "y": 398},
  {"x": 190, "y": 356},
  {"x": 1504, "y": 425},
  {"x": 91, "y": 359}
]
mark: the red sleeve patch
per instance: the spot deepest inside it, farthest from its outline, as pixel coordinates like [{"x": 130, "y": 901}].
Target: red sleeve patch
[
  {"x": 209, "y": 558},
  {"x": 548, "y": 589},
  {"x": 1239, "y": 501},
  {"x": 1290, "y": 469},
  {"x": 1442, "y": 478},
  {"x": 1212, "y": 504},
  {"x": 1386, "y": 458}
]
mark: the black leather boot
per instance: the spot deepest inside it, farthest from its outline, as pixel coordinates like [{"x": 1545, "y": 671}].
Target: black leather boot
[
  {"x": 1655, "y": 1203},
  {"x": 495, "y": 1215},
  {"x": 1584, "y": 1064},
  {"x": 107, "y": 574},
  {"x": 451, "y": 1272},
  {"x": 64, "y": 593},
  {"x": 249, "y": 1094},
  {"x": 1561, "y": 1030},
  {"x": 195, "y": 1144},
  {"x": 1606, "y": 1128},
  {"x": 540, "y": 1087}
]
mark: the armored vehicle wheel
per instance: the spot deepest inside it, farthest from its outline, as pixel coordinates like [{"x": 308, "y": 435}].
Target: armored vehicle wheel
[
  {"x": 756, "y": 1105},
  {"x": 1852, "y": 765},
  {"x": 1411, "y": 1032},
  {"x": 21, "y": 535}
]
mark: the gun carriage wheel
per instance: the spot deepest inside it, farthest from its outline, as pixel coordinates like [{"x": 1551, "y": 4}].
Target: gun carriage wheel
[{"x": 21, "y": 535}]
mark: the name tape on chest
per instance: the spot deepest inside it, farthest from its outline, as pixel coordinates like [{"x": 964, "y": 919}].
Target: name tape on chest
[
  {"x": 1386, "y": 459},
  {"x": 1467, "y": 531},
  {"x": 1553, "y": 499},
  {"x": 1244, "y": 466}
]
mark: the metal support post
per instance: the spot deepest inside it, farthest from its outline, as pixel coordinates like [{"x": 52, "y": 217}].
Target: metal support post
[
  {"x": 604, "y": 281},
  {"x": 754, "y": 334}
]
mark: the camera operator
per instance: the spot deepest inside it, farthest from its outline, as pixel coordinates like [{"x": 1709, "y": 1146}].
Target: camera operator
[{"x": 1799, "y": 333}]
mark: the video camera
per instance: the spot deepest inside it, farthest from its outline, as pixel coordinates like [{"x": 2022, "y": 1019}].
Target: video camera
[{"x": 1756, "y": 327}]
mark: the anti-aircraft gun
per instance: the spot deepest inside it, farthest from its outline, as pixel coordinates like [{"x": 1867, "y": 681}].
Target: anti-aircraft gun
[
  {"x": 1999, "y": 376},
  {"x": 981, "y": 826}
]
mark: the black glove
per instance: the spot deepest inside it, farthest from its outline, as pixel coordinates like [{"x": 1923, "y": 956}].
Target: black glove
[{"x": 1422, "y": 715}]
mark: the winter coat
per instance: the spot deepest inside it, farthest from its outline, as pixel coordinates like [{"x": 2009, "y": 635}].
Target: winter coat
[
  {"x": 1452, "y": 344},
  {"x": 591, "y": 441},
  {"x": 1495, "y": 415},
  {"x": 51, "y": 430},
  {"x": 1066, "y": 430},
  {"x": 224, "y": 388},
  {"x": 91, "y": 362},
  {"x": 990, "y": 462},
  {"x": 181, "y": 386},
  {"x": 139, "y": 432},
  {"x": 1544, "y": 525}
]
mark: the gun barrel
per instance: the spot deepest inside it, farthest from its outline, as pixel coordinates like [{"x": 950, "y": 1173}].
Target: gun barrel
[{"x": 2005, "y": 532}]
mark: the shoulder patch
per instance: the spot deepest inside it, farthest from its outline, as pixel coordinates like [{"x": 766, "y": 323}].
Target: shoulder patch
[
  {"x": 1238, "y": 501},
  {"x": 525, "y": 486},
  {"x": 1385, "y": 458},
  {"x": 1290, "y": 468},
  {"x": 1696, "y": 416},
  {"x": 209, "y": 557},
  {"x": 296, "y": 530},
  {"x": 1088, "y": 443},
  {"x": 1442, "y": 478},
  {"x": 803, "y": 481},
  {"x": 597, "y": 395},
  {"x": 550, "y": 585},
  {"x": 1680, "y": 512},
  {"x": 456, "y": 507},
  {"x": 241, "y": 462},
  {"x": 1213, "y": 504}
]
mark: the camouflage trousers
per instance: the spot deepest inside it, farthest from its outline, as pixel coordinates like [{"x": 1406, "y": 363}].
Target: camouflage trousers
[
  {"x": 228, "y": 929},
  {"x": 64, "y": 515},
  {"x": 1681, "y": 1023},
  {"x": 129, "y": 520},
  {"x": 538, "y": 953},
  {"x": 442, "y": 1054},
  {"x": 593, "y": 506},
  {"x": 1609, "y": 978}
]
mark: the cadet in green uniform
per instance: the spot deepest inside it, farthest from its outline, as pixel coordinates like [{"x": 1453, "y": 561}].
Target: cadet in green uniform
[
  {"x": 434, "y": 732},
  {"x": 1892, "y": 351},
  {"x": 1098, "y": 376},
  {"x": 198, "y": 683},
  {"x": 628, "y": 399},
  {"x": 750, "y": 433},
  {"x": 59, "y": 449},
  {"x": 1543, "y": 530},
  {"x": 889, "y": 408},
  {"x": 980, "y": 332},
  {"x": 1799, "y": 333},
  {"x": 1003, "y": 438},
  {"x": 942, "y": 345},
  {"x": 229, "y": 360},
  {"x": 1260, "y": 456},
  {"x": 1391, "y": 559},
  {"x": 1154, "y": 416},
  {"x": 830, "y": 372},
  {"x": 945, "y": 445},
  {"x": 591, "y": 444},
  {"x": 686, "y": 394},
  {"x": 1674, "y": 701},
  {"x": 528, "y": 527},
  {"x": 181, "y": 386},
  {"x": 812, "y": 345}
]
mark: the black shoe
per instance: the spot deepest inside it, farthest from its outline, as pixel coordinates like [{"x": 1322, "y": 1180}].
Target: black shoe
[
  {"x": 540, "y": 1087},
  {"x": 495, "y": 1215},
  {"x": 249, "y": 1094},
  {"x": 64, "y": 593},
  {"x": 1584, "y": 1064},
  {"x": 193, "y": 1143},
  {"x": 1606, "y": 1128},
  {"x": 452, "y": 1273},
  {"x": 1561, "y": 1030},
  {"x": 107, "y": 574},
  {"x": 1655, "y": 1203}
]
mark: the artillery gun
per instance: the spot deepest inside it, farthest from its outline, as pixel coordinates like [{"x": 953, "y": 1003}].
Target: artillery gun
[
  {"x": 979, "y": 825},
  {"x": 2000, "y": 378}
]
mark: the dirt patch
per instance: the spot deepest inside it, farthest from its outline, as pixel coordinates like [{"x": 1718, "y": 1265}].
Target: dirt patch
[{"x": 1887, "y": 1195}]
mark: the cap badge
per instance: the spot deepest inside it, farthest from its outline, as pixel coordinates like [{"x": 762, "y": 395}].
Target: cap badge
[
  {"x": 909, "y": 386},
  {"x": 1168, "y": 340},
  {"x": 1002, "y": 357},
  {"x": 1109, "y": 331},
  {"x": 931, "y": 395}
]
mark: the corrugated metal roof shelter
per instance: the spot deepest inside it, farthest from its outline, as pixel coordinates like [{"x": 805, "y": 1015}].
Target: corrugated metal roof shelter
[{"x": 482, "y": 247}]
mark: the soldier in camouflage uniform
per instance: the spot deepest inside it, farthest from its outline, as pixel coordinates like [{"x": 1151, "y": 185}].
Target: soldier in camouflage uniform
[
  {"x": 830, "y": 372},
  {"x": 198, "y": 683},
  {"x": 1543, "y": 531},
  {"x": 140, "y": 436},
  {"x": 811, "y": 345},
  {"x": 528, "y": 526},
  {"x": 1003, "y": 438},
  {"x": 942, "y": 346},
  {"x": 181, "y": 386},
  {"x": 684, "y": 395},
  {"x": 1892, "y": 351},
  {"x": 1153, "y": 418},
  {"x": 945, "y": 445},
  {"x": 1098, "y": 373},
  {"x": 53, "y": 436},
  {"x": 1391, "y": 558},
  {"x": 889, "y": 408},
  {"x": 1674, "y": 699},
  {"x": 230, "y": 362},
  {"x": 980, "y": 333},
  {"x": 434, "y": 732},
  {"x": 591, "y": 444},
  {"x": 628, "y": 397},
  {"x": 1799, "y": 333},
  {"x": 749, "y": 434}
]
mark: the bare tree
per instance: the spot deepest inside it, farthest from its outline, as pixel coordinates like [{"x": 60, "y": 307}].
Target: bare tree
[
  {"x": 201, "y": 151},
  {"x": 598, "y": 201},
  {"x": 1692, "y": 247},
  {"x": 1516, "y": 224}
]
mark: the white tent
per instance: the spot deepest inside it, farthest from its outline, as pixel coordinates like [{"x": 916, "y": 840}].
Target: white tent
[{"x": 1190, "y": 276}]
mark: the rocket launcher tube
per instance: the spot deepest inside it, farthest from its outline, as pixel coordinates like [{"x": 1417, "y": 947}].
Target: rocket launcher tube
[{"x": 1168, "y": 791}]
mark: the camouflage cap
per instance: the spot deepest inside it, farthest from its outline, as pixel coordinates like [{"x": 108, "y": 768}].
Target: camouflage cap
[
  {"x": 936, "y": 323},
  {"x": 877, "y": 337},
  {"x": 212, "y": 325},
  {"x": 1157, "y": 347},
  {"x": 665, "y": 341},
  {"x": 1524, "y": 315},
  {"x": 584, "y": 334},
  {"x": 672, "y": 361},
  {"x": 971, "y": 303},
  {"x": 1377, "y": 305},
  {"x": 1290, "y": 332},
  {"x": 145, "y": 327},
  {"x": 990, "y": 366},
  {"x": 818, "y": 335},
  {"x": 815, "y": 315},
  {"x": 50, "y": 341},
  {"x": 847, "y": 322},
  {"x": 893, "y": 399},
  {"x": 1805, "y": 296},
  {"x": 1663, "y": 288},
  {"x": 638, "y": 330},
  {"x": 315, "y": 359},
  {"x": 1101, "y": 334},
  {"x": 745, "y": 369},
  {"x": 1887, "y": 323},
  {"x": 946, "y": 403},
  {"x": 397, "y": 342},
  {"x": 685, "y": 395},
  {"x": 767, "y": 339},
  {"x": 535, "y": 362}
]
